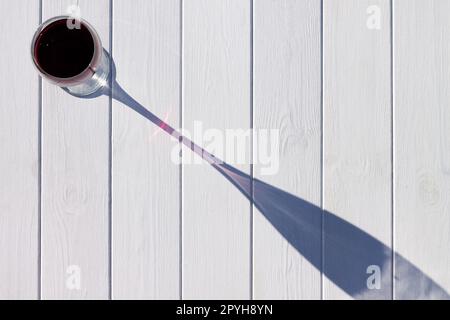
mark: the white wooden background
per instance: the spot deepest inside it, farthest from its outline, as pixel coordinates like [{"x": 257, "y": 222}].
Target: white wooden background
[{"x": 86, "y": 186}]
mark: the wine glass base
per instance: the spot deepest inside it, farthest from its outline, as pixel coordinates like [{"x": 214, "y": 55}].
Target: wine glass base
[{"x": 99, "y": 80}]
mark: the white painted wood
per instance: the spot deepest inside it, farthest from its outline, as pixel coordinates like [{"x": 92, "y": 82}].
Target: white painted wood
[
  {"x": 216, "y": 92},
  {"x": 146, "y": 183},
  {"x": 287, "y": 97},
  {"x": 422, "y": 131},
  {"x": 357, "y": 148},
  {"x": 192, "y": 235},
  {"x": 75, "y": 194},
  {"x": 19, "y": 167}
]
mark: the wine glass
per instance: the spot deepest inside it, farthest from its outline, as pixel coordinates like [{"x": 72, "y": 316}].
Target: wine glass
[{"x": 70, "y": 55}]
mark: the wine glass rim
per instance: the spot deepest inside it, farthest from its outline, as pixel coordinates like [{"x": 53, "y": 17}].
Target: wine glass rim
[{"x": 83, "y": 75}]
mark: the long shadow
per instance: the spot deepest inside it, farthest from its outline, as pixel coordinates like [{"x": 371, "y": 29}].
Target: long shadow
[{"x": 352, "y": 257}]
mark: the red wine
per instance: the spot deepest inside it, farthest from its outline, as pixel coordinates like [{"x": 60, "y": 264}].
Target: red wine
[{"x": 62, "y": 52}]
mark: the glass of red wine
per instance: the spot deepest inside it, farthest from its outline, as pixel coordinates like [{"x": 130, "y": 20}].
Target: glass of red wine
[{"x": 70, "y": 55}]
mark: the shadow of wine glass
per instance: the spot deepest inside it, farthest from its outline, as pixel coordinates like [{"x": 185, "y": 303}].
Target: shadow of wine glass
[{"x": 355, "y": 261}]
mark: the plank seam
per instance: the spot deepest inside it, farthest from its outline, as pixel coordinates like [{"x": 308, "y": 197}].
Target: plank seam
[
  {"x": 251, "y": 147},
  {"x": 181, "y": 180},
  {"x": 392, "y": 154},
  {"x": 322, "y": 222},
  {"x": 39, "y": 233},
  {"x": 110, "y": 115}
]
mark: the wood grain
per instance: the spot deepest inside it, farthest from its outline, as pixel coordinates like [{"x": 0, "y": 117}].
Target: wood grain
[
  {"x": 422, "y": 130},
  {"x": 146, "y": 183},
  {"x": 19, "y": 166},
  {"x": 216, "y": 92},
  {"x": 287, "y": 97},
  {"x": 357, "y": 147},
  {"x": 75, "y": 192}
]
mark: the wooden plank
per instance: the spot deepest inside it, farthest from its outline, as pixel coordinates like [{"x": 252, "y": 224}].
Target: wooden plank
[
  {"x": 146, "y": 183},
  {"x": 287, "y": 97},
  {"x": 75, "y": 192},
  {"x": 216, "y": 92},
  {"x": 422, "y": 141},
  {"x": 357, "y": 148},
  {"x": 19, "y": 164}
]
